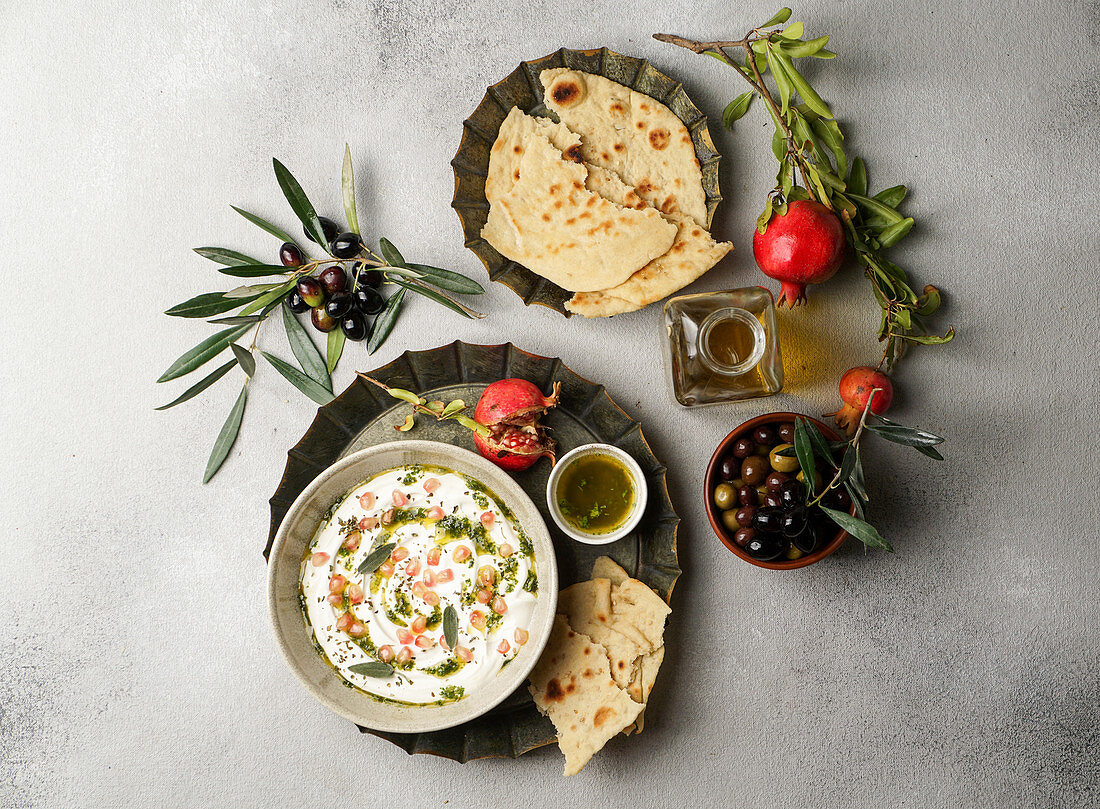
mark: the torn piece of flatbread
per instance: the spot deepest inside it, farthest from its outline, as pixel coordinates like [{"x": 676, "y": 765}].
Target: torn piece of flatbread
[
  {"x": 635, "y": 604},
  {"x": 572, "y": 685},
  {"x": 588, "y": 608},
  {"x": 641, "y": 684},
  {"x": 607, "y": 568}
]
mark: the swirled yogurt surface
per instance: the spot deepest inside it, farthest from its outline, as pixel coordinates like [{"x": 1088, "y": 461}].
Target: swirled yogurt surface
[{"x": 378, "y": 618}]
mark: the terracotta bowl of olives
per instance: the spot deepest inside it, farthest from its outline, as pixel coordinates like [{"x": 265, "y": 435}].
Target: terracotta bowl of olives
[{"x": 755, "y": 496}]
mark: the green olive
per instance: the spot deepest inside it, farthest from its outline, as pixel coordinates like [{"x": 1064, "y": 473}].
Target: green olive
[
  {"x": 782, "y": 463},
  {"x": 818, "y": 482},
  {"x": 725, "y": 496},
  {"x": 729, "y": 519}
]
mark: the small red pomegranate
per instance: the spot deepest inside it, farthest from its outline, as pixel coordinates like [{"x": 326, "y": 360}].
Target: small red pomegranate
[
  {"x": 855, "y": 389},
  {"x": 511, "y": 409},
  {"x": 804, "y": 246}
]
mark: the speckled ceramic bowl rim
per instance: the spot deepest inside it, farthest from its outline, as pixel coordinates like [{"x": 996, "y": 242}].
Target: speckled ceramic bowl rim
[
  {"x": 641, "y": 494},
  {"x": 284, "y": 571},
  {"x": 711, "y": 478}
]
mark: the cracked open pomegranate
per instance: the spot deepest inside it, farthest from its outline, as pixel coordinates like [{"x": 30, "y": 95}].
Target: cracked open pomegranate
[{"x": 511, "y": 409}]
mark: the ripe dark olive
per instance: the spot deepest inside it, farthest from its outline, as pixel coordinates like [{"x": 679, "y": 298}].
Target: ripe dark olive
[
  {"x": 794, "y": 522},
  {"x": 838, "y": 499},
  {"x": 354, "y": 326},
  {"x": 743, "y": 447},
  {"x": 786, "y": 432},
  {"x": 765, "y": 547},
  {"x": 328, "y": 227},
  {"x": 333, "y": 279},
  {"x": 346, "y": 245},
  {"x": 321, "y": 320},
  {"x": 764, "y": 435},
  {"x": 368, "y": 277},
  {"x": 744, "y": 536},
  {"x": 792, "y": 494},
  {"x": 296, "y": 304},
  {"x": 369, "y": 300},
  {"x": 754, "y": 469},
  {"x": 311, "y": 291},
  {"x": 768, "y": 519},
  {"x": 806, "y": 541},
  {"x": 745, "y": 515},
  {"x": 291, "y": 255},
  {"x": 339, "y": 305},
  {"x": 729, "y": 468},
  {"x": 772, "y": 500},
  {"x": 775, "y": 481},
  {"x": 746, "y": 496}
]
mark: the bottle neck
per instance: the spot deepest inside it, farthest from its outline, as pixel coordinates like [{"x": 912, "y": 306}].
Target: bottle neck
[{"x": 722, "y": 365}]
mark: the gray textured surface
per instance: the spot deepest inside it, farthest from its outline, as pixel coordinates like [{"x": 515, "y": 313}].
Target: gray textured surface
[{"x": 137, "y": 665}]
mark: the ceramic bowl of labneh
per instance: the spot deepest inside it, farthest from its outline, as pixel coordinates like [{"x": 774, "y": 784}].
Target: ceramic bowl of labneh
[
  {"x": 759, "y": 502},
  {"x": 596, "y": 494},
  {"x": 412, "y": 586}
]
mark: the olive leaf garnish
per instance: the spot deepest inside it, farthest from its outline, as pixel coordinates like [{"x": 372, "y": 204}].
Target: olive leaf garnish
[
  {"x": 376, "y": 558},
  {"x": 256, "y": 302},
  {"x": 450, "y": 626},
  {"x": 374, "y": 668}
]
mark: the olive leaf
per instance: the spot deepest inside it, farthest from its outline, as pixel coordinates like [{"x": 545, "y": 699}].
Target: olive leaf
[
  {"x": 450, "y": 626},
  {"x": 861, "y": 530},
  {"x": 309, "y": 358},
  {"x": 207, "y": 304},
  {"x": 737, "y": 108},
  {"x": 376, "y": 558},
  {"x": 780, "y": 17},
  {"x": 227, "y": 436},
  {"x": 201, "y": 385},
  {"x": 277, "y": 232},
  {"x": 446, "y": 279},
  {"x": 804, "y": 450},
  {"x": 384, "y": 323},
  {"x": 245, "y": 358},
  {"x": 299, "y": 203},
  {"x": 857, "y": 499},
  {"x": 334, "y": 348},
  {"x": 347, "y": 186},
  {"x": 819, "y": 443},
  {"x": 391, "y": 253},
  {"x": 203, "y": 352},
  {"x": 899, "y": 434},
  {"x": 299, "y": 380},
  {"x": 373, "y": 668},
  {"x": 254, "y": 270},
  {"x": 236, "y": 320},
  {"x": 439, "y": 298},
  {"x": 223, "y": 255},
  {"x": 269, "y": 300}
]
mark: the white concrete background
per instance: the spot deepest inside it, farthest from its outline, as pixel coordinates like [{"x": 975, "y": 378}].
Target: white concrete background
[{"x": 138, "y": 668}]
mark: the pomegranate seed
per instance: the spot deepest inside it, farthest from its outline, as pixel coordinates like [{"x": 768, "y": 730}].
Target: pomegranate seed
[
  {"x": 436, "y": 513},
  {"x": 355, "y": 594},
  {"x": 399, "y": 498},
  {"x": 424, "y": 642},
  {"x": 386, "y": 568},
  {"x": 431, "y": 598},
  {"x": 405, "y": 655},
  {"x": 445, "y": 575},
  {"x": 443, "y": 642},
  {"x": 337, "y": 583},
  {"x": 484, "y": 596},
  {"x": 319, "y": 558},
  {"x": 399, "y": 554},
  {"x": 353, "y": 540},
  {"x": 385, "y": 653},
  {"x": 419, "y": 624},
  {"x": 344, "y": 621},
  {"x": 487, "y": 518},
  {"x": 368, "y": 523},
  {"x": 503, "y": 647},
  {"x": 431, "y": 484},
  {"x": 462, "y": 553},
  {"x": 387, "y": 517},
  {"x": 500, "y": 606},
  {"x": 486, "y": 575},
  {"x": 366, "y": 500},
  {"x": 477, "y": 619},
  {"x": 335, "y": 599},
  {"x": 419, "y": 589},
  {"x": 428, "y": 578},
  {"x": 464, "y": 654},
  {"x": 357, "y": 630},
  {"x": 413, "y": 567},
  {"x": 404, "y": 636},
  {"x": 434, "y": 556},
  {"x": 506, "y": 550},
  {"x": 521, "y": 636}
]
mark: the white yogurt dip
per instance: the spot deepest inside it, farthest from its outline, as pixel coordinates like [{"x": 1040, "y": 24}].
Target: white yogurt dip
[{"x": 455, "y": 545}]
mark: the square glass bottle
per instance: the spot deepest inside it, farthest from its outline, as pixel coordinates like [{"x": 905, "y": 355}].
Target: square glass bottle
[{"x": 722, "y": 346}]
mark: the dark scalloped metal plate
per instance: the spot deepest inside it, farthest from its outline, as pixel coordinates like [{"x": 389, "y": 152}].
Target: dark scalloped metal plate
[
  {"x": 363, "y": 415},
  {"x": 522, "y": 88}
]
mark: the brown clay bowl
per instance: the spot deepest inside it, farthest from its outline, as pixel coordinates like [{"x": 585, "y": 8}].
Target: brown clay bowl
[{"x": 712, "y": 479}]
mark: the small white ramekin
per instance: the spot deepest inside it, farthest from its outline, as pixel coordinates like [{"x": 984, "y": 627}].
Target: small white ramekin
[{"x": 641, "y": 494}]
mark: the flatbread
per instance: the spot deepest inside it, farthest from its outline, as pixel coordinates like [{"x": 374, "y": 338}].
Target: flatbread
[
  {"x": 572, "y": 685},
  {"x": 641, "y": 684},
  {"x": 634, "y": 604},
  {"x": 549, "y": 222},
  {"x": 588, "y": 607},
  {"x": 511, "y": 143},
  {"x": 633, "y": 135},
  {"x": 607, "y": 568}
]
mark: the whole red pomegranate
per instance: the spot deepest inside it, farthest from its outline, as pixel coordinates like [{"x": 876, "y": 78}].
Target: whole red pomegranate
[
  {"x": 855, "y": 389},
  {"x": 511, "y": 409},
  {"x": 803, "y": 246}
]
